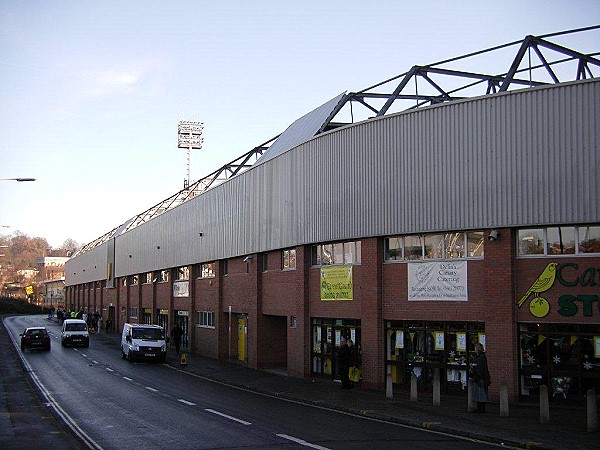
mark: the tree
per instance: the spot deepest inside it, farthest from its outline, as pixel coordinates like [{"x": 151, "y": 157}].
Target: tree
[{"x": 69, "y": 247}]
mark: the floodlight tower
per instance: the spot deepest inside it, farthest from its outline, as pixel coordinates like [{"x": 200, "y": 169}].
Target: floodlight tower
[{"x": 189, "y": 136}]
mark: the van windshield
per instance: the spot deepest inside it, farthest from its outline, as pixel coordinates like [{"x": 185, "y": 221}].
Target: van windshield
[
  {"x": 152, "y": 334},
  {"x": 76, "y": 327}
]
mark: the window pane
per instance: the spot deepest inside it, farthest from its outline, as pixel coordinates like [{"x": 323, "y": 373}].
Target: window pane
[
  {"x": 475, "y": 243},
  {"x": 589, "y": 239},
  {"x": 349, "y": 252},
  {"x": 357, "y": 259},
  {"x": 434, "y": 246},
  {"x": 292, "y": 254},
  {"x": 327, "y": 254},
  {"x": 413, "y": 247},
  {"x": 531, "y": 242},
  {"x": 455, "y": 245},
  {"x": 286, "y": 259},
  {"x": 393, "y": 248},
  {"x": 338, "y": 253},
  {"x": 561, "y": 240}
]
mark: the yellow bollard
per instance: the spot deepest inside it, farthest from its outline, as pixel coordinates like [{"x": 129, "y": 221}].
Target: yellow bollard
[{"x": 183, "y": 360}]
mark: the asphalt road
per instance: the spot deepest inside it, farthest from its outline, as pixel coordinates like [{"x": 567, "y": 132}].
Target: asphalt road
[{"x": 111, "y": 404}]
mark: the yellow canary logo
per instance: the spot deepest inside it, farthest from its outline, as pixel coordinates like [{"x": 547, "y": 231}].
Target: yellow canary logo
[{"x": 539, "y": 306}]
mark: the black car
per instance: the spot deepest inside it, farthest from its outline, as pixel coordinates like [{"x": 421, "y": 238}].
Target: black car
[{"x": 35, "y": 337}]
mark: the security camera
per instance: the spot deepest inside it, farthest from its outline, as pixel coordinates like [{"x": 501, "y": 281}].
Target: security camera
[
  {"x": 247, "y": 259},
  {"x": 494, "y": 235}
]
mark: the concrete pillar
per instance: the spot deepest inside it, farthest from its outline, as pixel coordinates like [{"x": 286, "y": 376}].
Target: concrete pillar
[
  {"x": 389, "y": 391},
  {"x": 544, "y": 404},
  {"x": 503, "y": 399},
  {"x": 592, "y": 411},
  {"x": 436, "y": 387},
  {"x": 413, "y": 387}
]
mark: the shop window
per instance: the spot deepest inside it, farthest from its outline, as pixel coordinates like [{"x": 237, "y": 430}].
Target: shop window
[
  {"x": 225, "y": 267},
  {"x": 135, "y": 279},
  {"x": 265, "y": 262},
  {"x": 133, "y": 312},
  {"x": 163, "y": 276},
  {"x": 207, "y": 270},
  {"x": 456, "y": 245},
  {"x": 556, "y": 241},
  {"x": 589, "y": 239},
  {"x": 124, "y": 281},
  {"x": 148, "y": 277},
  {"x": 205, "y": 319},
  {"x": 183, "y": 273},
  {"x": 336, "y": 253},
  {"x": 564, "y": 357},
  {"x": 421, "y": 348},
  {"x": 289, "y": 259}
]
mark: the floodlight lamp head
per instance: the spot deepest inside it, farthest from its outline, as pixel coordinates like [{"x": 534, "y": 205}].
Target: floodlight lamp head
[{"x": 494, "y": 235}]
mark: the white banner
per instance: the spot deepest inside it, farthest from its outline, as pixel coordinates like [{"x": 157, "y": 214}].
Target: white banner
[
  {"x": 442, "y": 281},
  {"x": 181, "y": 289}
]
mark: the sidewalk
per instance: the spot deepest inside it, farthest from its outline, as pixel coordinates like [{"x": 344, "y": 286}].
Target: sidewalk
[{"x": 567, "y": 428}]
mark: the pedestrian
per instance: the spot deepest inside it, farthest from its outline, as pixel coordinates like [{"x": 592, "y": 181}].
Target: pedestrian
[
  {"x": 480, "y": 375},
  {"x": 108, "y": 325},
  {"x": 177, "y": 334},
  {"x": 353, "y": 360},
  {"x": 344, "y": 356}
]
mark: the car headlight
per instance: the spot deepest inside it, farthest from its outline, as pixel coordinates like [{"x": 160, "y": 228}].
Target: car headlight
[
  {"x": 135, "y": 347},
  {"x": 163, "y": 348}
]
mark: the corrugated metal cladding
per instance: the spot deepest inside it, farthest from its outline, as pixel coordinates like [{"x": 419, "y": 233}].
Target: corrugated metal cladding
[{"x": 515, "y": 159}]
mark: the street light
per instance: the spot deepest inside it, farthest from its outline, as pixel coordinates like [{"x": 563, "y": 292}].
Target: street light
[{"x": 17, "y": 179}]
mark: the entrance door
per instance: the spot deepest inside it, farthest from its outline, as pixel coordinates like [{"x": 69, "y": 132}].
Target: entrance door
[
  {"x": 182, "y": 319},
  {"x": 162, "y": 319},
  {"x": 242, "y": 331}
]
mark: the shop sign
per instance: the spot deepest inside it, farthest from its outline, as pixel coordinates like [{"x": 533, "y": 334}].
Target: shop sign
[
  {"x": 568, "y": 275},
  {"x": 181, "y": 288},
  {"x": 336, "y": 283},
  {"x": 445, "y": 281}
]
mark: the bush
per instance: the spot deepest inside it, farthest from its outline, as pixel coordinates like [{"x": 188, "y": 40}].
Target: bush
[{"x": 9, "y": 306}]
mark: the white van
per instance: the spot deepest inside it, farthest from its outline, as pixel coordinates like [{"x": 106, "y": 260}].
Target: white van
[
  {"x": 74, "y": 332},
  {"x": 142, "y": 341}
]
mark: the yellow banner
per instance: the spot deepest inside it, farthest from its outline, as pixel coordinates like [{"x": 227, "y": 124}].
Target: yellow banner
[{"x": 336, "y": 283}]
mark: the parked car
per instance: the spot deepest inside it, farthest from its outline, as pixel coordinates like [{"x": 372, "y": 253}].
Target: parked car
[
  {"x": 74, "y": 332},
  {"x": 35, "y": 337}
]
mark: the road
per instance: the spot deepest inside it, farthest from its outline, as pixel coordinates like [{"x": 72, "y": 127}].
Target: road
[{"x": 111, "y": 404}]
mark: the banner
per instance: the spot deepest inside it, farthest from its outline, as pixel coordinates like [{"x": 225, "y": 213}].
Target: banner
[
  {"x": 336, "y": 283},
  {"x": 442, "y": 281},
  {"x": 181, "y": 288}
]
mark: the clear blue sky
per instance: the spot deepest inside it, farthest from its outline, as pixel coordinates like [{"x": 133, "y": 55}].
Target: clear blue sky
[{"x": 91, "y": 91}]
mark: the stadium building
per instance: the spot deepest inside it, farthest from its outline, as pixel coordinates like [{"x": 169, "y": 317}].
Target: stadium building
[{"x": 461, "y": 207}]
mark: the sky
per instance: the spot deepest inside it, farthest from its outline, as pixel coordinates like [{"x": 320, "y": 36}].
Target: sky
[{"x": 91, "y": 92}]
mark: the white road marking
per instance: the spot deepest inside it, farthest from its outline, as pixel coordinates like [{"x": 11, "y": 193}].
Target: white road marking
[
  {"x": 127, "y": 378},
  {"x": 95, "y": 362},
  {"x": 109, "y": 369},
  {"x": 301, "y": 442},
  {"x": 151, "y": 389},
  {"x": 186, "y": 402},
  {"x": 243, "y": 422}
]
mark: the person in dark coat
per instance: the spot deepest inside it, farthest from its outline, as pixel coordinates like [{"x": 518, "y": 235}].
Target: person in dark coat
[
  {"x": 480, "y": 375},
  {"x": 344, "y": 356},
  {"x": 177, "y": 334}
]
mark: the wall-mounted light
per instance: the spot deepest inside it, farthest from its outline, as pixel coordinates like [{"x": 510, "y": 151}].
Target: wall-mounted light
[
  {"x": 130, "y": 256},
  {"x": 200, "y": 234},
  {"x": 158, "y": 247},
  {"x": 494, "y": 235},
  {"x": 248, "y": 259}
]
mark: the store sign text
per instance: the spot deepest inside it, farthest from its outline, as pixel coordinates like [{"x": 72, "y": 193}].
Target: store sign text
[{"x": 569, "y": 275}]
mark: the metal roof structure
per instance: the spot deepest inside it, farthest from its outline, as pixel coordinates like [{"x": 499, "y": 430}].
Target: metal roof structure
[{"x": 536, "y": 62}]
